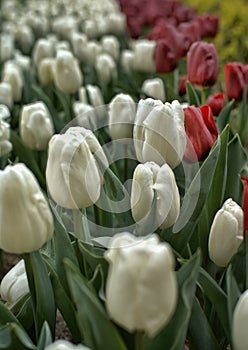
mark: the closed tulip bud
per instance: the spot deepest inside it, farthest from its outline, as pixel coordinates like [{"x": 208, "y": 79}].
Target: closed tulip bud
[
  {"x": 22, "y": 61},
  {"x": 105, "y": 68},
  {"x": 73, "y": 175},
  {"x": 5, "y": 144},
  {"x": 14, "y": 284},
  {"x": 239, "y": 323},
  {"x": 146, "y": 268},
  {"x": 165, "y": 57},
  {"x": 46, "y": 71},
  {"x": 152, "y": 182},
  {"x": 6, "y": 95},
  {"x": 91, "y": 51},
  {"x": 91, "y": 29},
  {"x": 154, "y": 88},
  {"x": 144, "y": 48},
  {"x": 79, "y": 42},
  {"x": 116, "y": 23},
  {"x": 122, "y": 109},
  {"x": 6, "y": 47},
  {"x": 26, "y": 220},
  {"x": 42, "y": 49},
  {"x": 65, "y": 345},
  {"x": 94, "y": 94},
  {"x": 226, "y": 233},
  {"x": 127, "y": 60},
  {"x": 201, "y": 132},
  {"x": 159, "y": 133},
  {"x": 202, "y": 64},
  {"x": 25, "y": 38},
  {"x": 235, "y": 80},
  {"x": 12, "y": 75},
  {"x": 67, "y": 74},
  {"x": 4, "y": 113},
  {"x": 36, "y": 126},
  {"x": 216, "y": 102},
  {"x": 82, "y": 109},
  {"x": 111, "y": 45}
]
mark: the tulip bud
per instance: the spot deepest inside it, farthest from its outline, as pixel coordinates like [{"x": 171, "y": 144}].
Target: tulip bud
[
  {"x": 165, "y": 57},
  {"x": 78, "y": 42},
  {"x": 94, "y": 93},
  {"x": 42, "y": 49},
  {"x": 201, "y": 132},
  {"x": 202, "y": 64},
  {"x": 144, "y": 48},
  {"x": 127, "y": 59},
  {"x": 26, "y": 220},
  {"x": 4, "y": 112},
  {"x": 5, "y": 144},
  {"x": 14, "y": 284},
  {"x": 154, "y": 88},
  {"x": 6, "y": 95},
  {"x": 65, "y": 345},
  {"x": 12, "y": 76},
  {"x": 122, "y": 109},
  {"x": 91, "y": 51},
  {"x": 216, "y": 102},
  {"x": 226, "y": 233},
  {"x": 72, "y": 173},
  {"x": 150, "y": 181},
  {"x": 67, "y": 74},
  {"x": 36, "y": 126},
  {"x": 239, "y": 323},
  {"x": 46, "y": 71},
  {"x": 116, "y": 23},
  {"x": 234, "y": 80},
  {"x": 159, "y": 133},
  {"x": 111, "y": 45},
  {"x": 6, "y": 47},
  {"x": 25, "y": 38},
  {"x": 142, "y": 267},
  {"x": 105, "y": 68}
]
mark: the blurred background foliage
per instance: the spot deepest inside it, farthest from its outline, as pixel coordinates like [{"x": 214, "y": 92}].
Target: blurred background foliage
[{"x": 232, "y": 39}]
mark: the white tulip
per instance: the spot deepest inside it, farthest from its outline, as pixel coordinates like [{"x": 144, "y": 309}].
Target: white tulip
[
  {"x": 159, "y": 133},
  {"x": 4, "y": 112},
  {"x": 226, "y": 233},
  {"x": 65, "y": 345},
  {"x": 5, "y": 144},
  {"x": 36, "y": 126},
  {"x": 154, "y": 88},
  {"x": 12, "y": 75},
  {"x": 116, "y": 22},
  {"x": 42, "y": 49},
  {"x": 26, "y": 220},
  {"x": 105, "y": 68},
  {"x": 111, "y": 45},
  {"x": 94, "y": 93},
  {"x": 79, "y": 42},
  {"x": 127, "y": 59},
  {"x": 152, "y": 182},
  {"x": 6, "y": 95},
  {"x": 14, "y": 284},
  {"x": 239, "y": 323},
  {"x": 25, "y": 37},
  {"x": 73, "y": 175},
  {"x": 6, "y": 47},
  {"x": 67, "y": 74},
  {"x": 141, "y": 288},
  {"x": 91, "y": 51},
  {"x": 46, "y": 70},
  {"x": 143, "y": 56},
  {"x": 122, "y": 109}
]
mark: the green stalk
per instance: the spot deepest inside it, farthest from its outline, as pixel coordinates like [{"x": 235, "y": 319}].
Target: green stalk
[
  {"x": 203, "y": 95},
  {"x": 139, "y": 341}
]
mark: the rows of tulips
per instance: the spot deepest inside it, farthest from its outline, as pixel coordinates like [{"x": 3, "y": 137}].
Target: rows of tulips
[{"x": 123, "y": 181}]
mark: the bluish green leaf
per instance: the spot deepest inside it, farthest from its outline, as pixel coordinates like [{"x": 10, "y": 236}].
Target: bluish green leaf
[
  {"x": 97, "y": 331},
  {"x": 45, "y": 337},
  {"x": 13, "y": 337},
  {"x": 223, "y": 118},
  {"x": 192, "y": 96}
]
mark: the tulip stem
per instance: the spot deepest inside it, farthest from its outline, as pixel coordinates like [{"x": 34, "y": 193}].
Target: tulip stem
[
  {"x": 81, "y": 228},
  {"x": 203, "y": 95},
  {"x": 139, "y": 341}
]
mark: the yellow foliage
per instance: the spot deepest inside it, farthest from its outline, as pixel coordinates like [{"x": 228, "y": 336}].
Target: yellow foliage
[{"x": 232, "y": 39}]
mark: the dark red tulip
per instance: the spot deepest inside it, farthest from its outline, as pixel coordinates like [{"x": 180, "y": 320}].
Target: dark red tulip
[
  {"x": 216, "y": 102},
  {"x": 165, "y": 58},
  {"x": 182, "y": 85},
  {"x": 245, "y": 202},
  {"x": 191, "y": 33},
  {"x": 208, "y": 25},
  {"x": 235, "y": 80},
  {"x": 202, "y": 64},
  {"x": 201, "y": 132}
]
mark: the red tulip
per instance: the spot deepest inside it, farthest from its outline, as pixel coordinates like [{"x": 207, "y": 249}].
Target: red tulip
[
  {"x": 201, "y": 132},
  {"x": 165, "y": 58},
  {"x": 202, "y": 64},
  {"x": 216, "y": 102},
  {"x": 182, "y": 85},
  {"x": 191, "y": 33},
  {"x": 236, "y": 77},
  {"x": 245, "y": 202},
  {"x": 208, "y": 25}
]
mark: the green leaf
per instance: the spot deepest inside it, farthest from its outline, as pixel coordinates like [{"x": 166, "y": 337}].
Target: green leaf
[
  {"x": 223, "y": 118},
  {"x": 236, "y": 161},
  {"x": 45, "y": 337},
  {"x": 242, "y": 118},
  {"x": 233, "y": 293},
  {"x": 193, "y": 98},
  {"x": 97, "y": 331},
  {"x": 217, "y": 297},
  {"x": 200, "y": 333},
  {"x": 194, "y": 201},
  {"x": 41, "y": 291},
  {"x": 174, "y": 334},
  {"x": 6, "y": 316},
  {"x": 13, "y": 337}
]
